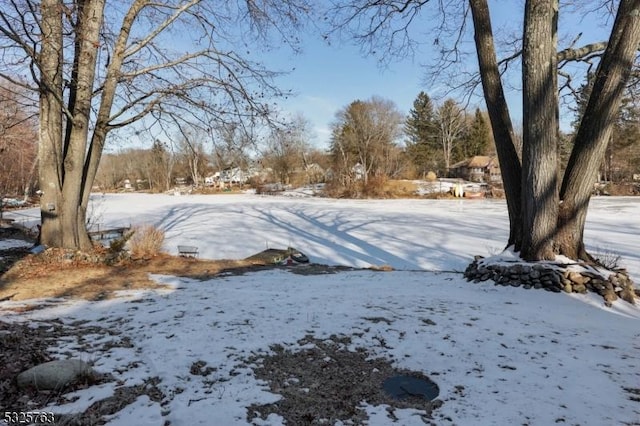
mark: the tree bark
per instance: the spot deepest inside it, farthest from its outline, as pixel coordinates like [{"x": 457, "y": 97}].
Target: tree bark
[
  {"x": 500, "y": 120},
  {"x": 540, "y": 123},
  {"x": 98, "y": 139},
  {"x": 74, "y": 227},
  {"x": 595, "y": 129},
  {"x": 50, "y": 130}
]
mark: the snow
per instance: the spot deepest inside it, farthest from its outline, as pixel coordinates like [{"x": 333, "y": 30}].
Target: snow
[
  {"x": 12, "y": 243},
  {"x": 500, "y": 355}
]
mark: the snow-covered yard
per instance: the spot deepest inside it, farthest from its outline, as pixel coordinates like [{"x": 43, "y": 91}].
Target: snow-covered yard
[{"x": 499, "y": 355}]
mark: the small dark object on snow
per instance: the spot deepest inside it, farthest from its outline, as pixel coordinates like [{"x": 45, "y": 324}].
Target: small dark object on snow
[
  {"x": 403, "y": 387},
  {"x": 297, "y": 256},
  {"x": 279, "y": 256}
]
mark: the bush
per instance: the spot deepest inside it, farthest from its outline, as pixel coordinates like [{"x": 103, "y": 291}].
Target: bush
[
  {"x": 146, "y": 241},
  {"x": 607, "y": 258},
  {"x": 375, "y": 187},
  {"x": 118, "y": 244}
]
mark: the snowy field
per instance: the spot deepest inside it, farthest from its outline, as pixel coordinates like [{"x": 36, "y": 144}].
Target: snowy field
[{"x": 500, "y": 356}]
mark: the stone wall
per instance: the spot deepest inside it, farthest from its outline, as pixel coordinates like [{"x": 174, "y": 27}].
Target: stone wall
[{"x": 555, "y": 277}]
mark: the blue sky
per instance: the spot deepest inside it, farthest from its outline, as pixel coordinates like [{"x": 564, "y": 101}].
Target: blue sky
[{"x": 328, "y": 78}]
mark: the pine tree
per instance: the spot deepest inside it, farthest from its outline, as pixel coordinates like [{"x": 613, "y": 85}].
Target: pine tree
[
  {"x": 420, "y": 129},
  {"x": 477, "y": 138}
]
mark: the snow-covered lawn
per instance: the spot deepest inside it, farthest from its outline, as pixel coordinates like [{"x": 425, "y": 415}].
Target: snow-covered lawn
[{"x": 500, "y": 356}]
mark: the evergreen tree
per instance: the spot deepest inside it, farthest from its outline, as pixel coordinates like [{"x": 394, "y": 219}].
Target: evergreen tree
[
  {"x": 420, "y": 129},
  {"x": 477, "y": 138}
]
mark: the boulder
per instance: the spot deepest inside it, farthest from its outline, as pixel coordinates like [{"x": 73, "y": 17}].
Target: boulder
[{"x": 54, "y": 375}]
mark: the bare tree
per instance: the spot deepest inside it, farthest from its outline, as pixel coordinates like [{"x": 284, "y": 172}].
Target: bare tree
[
  {"x": 451, "y": 124},
  {"x": 547, "y": 215},
  {"x": 100, "y": 65},
  {"x": 190, "y": 146},
  {"x": 286, "y": 149},
  {"x": 18, "y": 144},
  {"x": 364, "y": 135}
]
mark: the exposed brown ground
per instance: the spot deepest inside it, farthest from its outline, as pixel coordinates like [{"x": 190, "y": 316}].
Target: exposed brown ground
[
  {"x": 40, "y": 277},
  {"x": 59, "y": 273}
]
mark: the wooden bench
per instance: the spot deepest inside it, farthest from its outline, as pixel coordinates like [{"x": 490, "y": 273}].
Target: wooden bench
[
  {"x": 108, "y": 233},
  {"x": 188, "y": 251}
]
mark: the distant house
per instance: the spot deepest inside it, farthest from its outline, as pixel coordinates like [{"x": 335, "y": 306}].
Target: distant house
[{"x": 480, "y": 168}]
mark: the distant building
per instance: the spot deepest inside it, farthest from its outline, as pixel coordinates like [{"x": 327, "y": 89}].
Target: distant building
[{"x": 480, "y": 168}]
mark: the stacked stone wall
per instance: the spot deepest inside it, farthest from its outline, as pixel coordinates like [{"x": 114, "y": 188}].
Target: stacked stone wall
[{"x": 611, "y": 285}]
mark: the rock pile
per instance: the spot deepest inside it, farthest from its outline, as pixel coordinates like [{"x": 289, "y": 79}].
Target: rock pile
[{"x": 555, "y": 277}]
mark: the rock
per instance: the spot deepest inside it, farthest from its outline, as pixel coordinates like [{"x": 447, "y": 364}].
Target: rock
[
  {"x": 577, "y": 278},
  {"x": 517, "y": 269},
  {"x": 568, "y": 288},
  {"x": 597, "y": 284},
  {"x": 579, "y": 288},
  {"x": 609, "y": 296},
  {"x": 555, "y": 278},
  {"x": 628, "y": 295},
  {"x": 54, "y": 375}
]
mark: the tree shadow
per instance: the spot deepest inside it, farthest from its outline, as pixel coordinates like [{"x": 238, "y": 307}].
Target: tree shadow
[
  {"x": 9, "y": 256},
  {"x": 329, "y": 236}
]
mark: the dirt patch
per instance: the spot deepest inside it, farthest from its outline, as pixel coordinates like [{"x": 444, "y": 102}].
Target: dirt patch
[
  {"x": 97, "y": 275},
  {"x": 36, "y": 276},
  {"x": 25, "y": 346},
  {"x": 328, "y": 383}
]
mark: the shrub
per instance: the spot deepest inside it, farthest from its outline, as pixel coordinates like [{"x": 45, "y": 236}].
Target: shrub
[
  {"x": 607, "y": 258},
  {"x": 118, "y": 244},
  {"x": 146, "y": 241}
]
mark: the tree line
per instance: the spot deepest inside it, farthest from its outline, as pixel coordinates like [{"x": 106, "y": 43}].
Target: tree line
[{"x": 371, "y": 142}]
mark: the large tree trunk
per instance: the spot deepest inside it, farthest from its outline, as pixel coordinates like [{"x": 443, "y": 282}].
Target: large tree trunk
[
  {"x": 544, "y": 222},
  {"x": 86, "y": 52},
  {"x": 50, "y": 131},
  {"x": 62, "y": 157},
  {"x": 98, "y": 139},
  {"x": 540, "y": 126},
  {"x": 500, "y": 120},
  {"x": 595, "y": 129}
]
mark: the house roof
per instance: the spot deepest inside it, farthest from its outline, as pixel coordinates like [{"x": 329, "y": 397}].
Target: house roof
[{"x": 479, "y": 161}]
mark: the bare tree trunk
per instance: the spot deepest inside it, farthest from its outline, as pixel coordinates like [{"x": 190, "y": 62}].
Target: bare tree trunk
[
  {"x": 74, "y": 227},
  {"x": 50, "y": 131},
  {"x": 500, "y": 120},
  {"x": 540, "y": 122},
  {"x": 595, "y": 129},
  {"x": 99, "y": 136}
]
